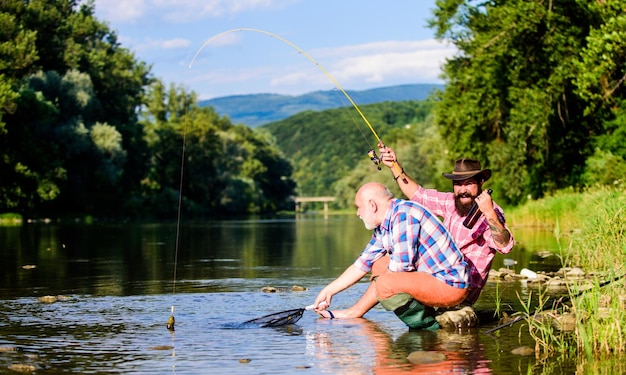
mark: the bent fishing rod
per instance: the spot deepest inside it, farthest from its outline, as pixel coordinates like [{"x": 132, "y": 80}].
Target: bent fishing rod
[{"x": 371, "y": 153}]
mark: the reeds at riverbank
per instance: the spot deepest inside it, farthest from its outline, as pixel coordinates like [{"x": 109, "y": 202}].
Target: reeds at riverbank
[{"x": 591, "y": 229}]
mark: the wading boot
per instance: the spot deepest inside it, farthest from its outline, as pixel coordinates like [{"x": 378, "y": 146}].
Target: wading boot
[{"x": 412, "y": 313}]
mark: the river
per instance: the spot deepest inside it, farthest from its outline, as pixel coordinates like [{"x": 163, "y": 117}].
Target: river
[{"x": 112, "y": 288}]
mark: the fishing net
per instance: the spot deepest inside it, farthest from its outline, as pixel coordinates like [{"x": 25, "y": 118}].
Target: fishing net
[{"x": 278, "y": 319}]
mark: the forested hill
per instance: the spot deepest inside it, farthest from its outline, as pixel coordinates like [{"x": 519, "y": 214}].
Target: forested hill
[
  {"x": 257, "y": 109},
  {"x": 329, "y": 149}
]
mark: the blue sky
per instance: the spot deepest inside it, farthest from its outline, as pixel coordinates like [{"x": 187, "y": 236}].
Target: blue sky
[{"x": 361, "y": 44}]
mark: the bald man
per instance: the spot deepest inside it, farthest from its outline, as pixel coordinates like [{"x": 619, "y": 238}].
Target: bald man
[{"x": 414, "y": 263}]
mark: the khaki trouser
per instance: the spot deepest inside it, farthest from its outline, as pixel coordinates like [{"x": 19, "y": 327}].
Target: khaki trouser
[{"x": 424, "y": 287}]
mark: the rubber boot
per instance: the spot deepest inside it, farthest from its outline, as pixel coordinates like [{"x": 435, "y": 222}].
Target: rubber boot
[{"x": 412, "y": 313}]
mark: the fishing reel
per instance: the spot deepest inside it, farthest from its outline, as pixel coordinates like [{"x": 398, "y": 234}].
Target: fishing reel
[{"x": 374, "y": 158}]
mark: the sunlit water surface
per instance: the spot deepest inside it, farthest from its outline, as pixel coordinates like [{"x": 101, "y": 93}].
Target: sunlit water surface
[{"x": 117, "y": 284}]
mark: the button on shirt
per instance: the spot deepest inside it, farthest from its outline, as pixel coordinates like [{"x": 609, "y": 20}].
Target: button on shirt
[
  {"x": 477, "y": 244},
  {"x": 415, "y": 240}
]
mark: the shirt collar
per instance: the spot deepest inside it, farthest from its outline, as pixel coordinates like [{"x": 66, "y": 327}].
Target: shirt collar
[{"x": 386, "y": 224}]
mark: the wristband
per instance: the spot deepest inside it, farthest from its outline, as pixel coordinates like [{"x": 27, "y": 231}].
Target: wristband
[{"x": 398, "y": 176}]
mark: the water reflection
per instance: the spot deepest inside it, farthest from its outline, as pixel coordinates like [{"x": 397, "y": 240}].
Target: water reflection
[
  {"x": 117, "y": 259},
  {"x": 118, "y": 280},
  {"x": 432, "y": 352}
]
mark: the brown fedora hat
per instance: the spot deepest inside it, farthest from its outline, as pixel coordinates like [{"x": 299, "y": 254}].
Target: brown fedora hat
[{"x": 467, "y": 168}]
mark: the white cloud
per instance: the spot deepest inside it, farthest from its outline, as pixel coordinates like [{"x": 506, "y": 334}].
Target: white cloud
[
  {"x": 191, "y": 10},
  {"x": 121, "y": 11},
  {"x": 378, "y": 62},
  {"x": 352, "y": 67},
  {"x": 179, "y": 11},
  {"x": 174, "y": 43}
]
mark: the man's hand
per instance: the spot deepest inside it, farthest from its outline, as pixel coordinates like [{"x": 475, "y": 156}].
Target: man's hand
[
  {"x": 485, "y": 203},
  {"x": 387, "y": 155},
  {"x": 322, "y": 301}
]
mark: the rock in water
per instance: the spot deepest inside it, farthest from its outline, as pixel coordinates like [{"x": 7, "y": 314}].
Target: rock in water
[{"x": 420, "y": 357}]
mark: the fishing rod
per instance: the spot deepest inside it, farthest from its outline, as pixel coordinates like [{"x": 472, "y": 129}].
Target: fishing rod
[
  {"x": 371, "y": 153},
  {"x": 554, "y": 303}
]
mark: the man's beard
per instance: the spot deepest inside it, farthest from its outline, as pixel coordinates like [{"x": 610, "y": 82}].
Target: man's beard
[
  {"x": 368, "y": 224},
  {"x": 461, "y": 208}
]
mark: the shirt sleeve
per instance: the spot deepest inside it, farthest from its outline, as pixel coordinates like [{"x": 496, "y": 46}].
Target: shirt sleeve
[
  {"x": 371, "y": 253},
  {"x": 405, "y": 233},
  {"x": 437, "y": 202}
]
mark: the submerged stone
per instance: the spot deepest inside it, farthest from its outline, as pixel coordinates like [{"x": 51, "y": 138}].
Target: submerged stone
[
  {"x": 421, "y": 357},
  {"x": 269, "y": 289},
  {"x": 48, "y": 299},
  {"x": 22, "y": 367},
  {"x": 523, "y": 351},
  {"x": 162, "y": 347}
]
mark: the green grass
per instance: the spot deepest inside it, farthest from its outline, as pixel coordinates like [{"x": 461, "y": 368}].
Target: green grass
[
  {"x": 591, "y": 227},
  {"x": 549, "y": 212}
]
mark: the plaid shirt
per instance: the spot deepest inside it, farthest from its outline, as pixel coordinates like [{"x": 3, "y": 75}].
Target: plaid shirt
[
  {"x": 477, "y": 244},
  {"x": 415, "y": 240}
]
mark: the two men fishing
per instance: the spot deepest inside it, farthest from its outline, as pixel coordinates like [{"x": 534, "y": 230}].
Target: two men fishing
[{"x": 408, "y": 267}]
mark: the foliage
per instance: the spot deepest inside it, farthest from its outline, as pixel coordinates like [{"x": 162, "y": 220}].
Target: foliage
[
  {"x": 227, "y": 168},
  {"x": 531, "y": 87},
  {"x": 326, "y": 147},
  {"x": 72, "y": 141},
  {"x": 604, "y": 168},
  {"x": 536, "y": 93},
  {"x": 592, "y": 226},
  {"x": 551, "y": 212},
  {"x": 66, "y": 73}
]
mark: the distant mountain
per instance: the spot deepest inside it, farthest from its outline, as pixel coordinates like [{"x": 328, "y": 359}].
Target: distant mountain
[{"x": 258, "y": 109}]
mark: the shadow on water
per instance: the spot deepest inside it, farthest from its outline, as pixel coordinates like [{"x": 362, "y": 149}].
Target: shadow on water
[{"x": 117, "y": 288}]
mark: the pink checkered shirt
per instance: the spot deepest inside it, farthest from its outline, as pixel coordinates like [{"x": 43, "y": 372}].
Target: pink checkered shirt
[{"x": 476, "y": 244}]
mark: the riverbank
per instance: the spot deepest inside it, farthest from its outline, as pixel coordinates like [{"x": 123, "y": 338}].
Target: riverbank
[{"x": 590, "y": 228}]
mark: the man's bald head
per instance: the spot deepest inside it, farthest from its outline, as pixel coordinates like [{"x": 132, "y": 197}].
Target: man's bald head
[
  {"x": 372, "y": 201},
  {"x": 375, "y": 191}
]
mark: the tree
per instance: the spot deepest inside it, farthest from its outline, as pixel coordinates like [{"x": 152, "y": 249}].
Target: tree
[
  {"x": 62, "y": 72},
  {"x": 226, "y": 168},
  {"x": 513, "y": 95}
]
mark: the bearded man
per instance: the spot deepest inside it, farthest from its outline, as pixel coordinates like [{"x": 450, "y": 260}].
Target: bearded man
[
  {"x": 490, "y": 233},
  {"x": 478, "y": 244},
  {"x": 415, "y": 265}
]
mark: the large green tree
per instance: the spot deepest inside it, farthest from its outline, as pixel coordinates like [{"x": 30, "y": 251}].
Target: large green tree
[
  {"x": 225, "y": 168},
  {"x": 68, "y": 91},
  {"x": 86, "y": 129},
  {"x": 52, "y": 154},
  {"x": 531, "y": 86}
]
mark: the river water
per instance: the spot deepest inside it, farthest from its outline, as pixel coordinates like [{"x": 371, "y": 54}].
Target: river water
[{"x": 114, "y": 286}]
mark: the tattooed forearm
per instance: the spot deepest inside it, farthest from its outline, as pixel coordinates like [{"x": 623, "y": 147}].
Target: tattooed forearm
[{"x": 500, "y": 234}]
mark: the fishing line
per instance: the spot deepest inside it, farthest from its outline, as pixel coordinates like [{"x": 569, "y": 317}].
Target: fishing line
[
  {"x": 371, "y": 153},
  {"x": 352, "y": 117},
  {"x": 171, "y": 320}
]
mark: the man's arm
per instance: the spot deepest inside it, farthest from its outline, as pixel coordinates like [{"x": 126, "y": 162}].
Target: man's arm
[
  {"x": 501, "y": 236},
  {"x": 406, "y": 184},
  {"x": 348, "y": 278}
]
